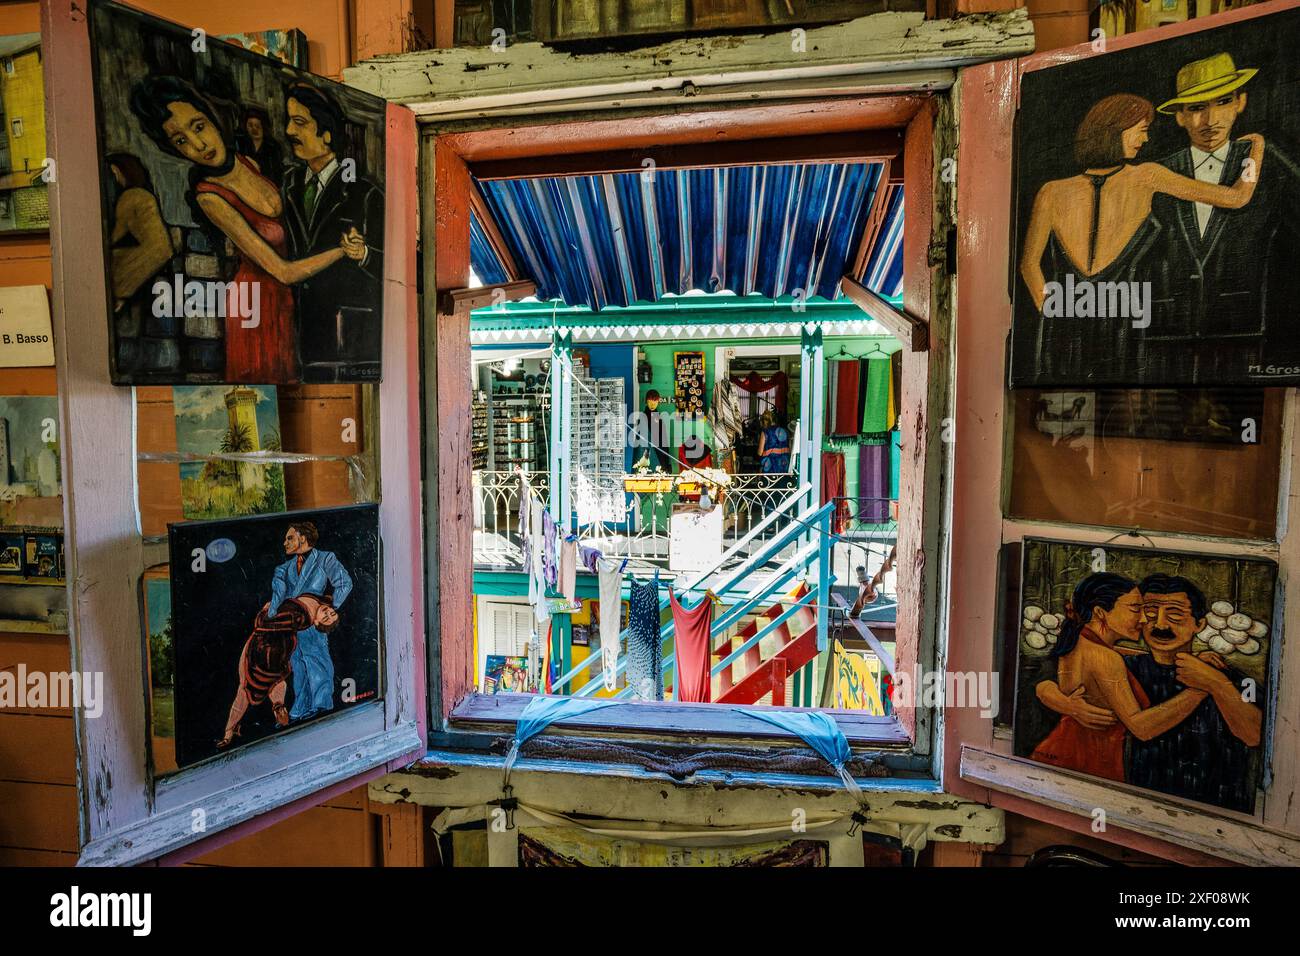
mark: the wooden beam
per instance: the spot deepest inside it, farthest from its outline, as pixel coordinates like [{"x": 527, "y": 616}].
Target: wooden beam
[
  {"x": 401, "y": 833},
  {"x": 866, "y": 634},
  {"x": 914, "y": 333},
  {"x": 528, "y": 137},
  {"x": 448, "y": 512},
  {"x": 457, "y": 301},
  {"x": 535, "y": 75},
  {"x": 444, "y": 24},
  {"x": 875, "y": 219},
  {"x": 496, "y": 239},
  {"x": 872, "y": 146},
  {"x": 1224, "y": 835}
]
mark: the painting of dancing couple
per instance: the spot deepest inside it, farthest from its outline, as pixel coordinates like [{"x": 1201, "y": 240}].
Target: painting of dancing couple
[
  {"x": 275, "y": 622},
  {"x": 1157, "y": 213},
  {"x": 243, "y": 211},
  {"x": 1147, "y": 667}
]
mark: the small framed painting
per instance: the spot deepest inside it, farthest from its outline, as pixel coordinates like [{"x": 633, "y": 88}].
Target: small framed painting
[
  {"x": 1147, "y": 667},
  {"x": 275, "y": 621}
]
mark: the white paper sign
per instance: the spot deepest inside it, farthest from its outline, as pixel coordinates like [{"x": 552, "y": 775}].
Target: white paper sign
[
  {"x": 25, "y": 336},
  {"x": 694, "y": 539}
]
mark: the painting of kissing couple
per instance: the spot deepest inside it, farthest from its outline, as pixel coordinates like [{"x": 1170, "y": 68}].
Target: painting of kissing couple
[
  {"x": 243, "y": 211},
  {"x": 1157, "y": 213},
  {"x": 275, "y": 623},
  {"x": 1146, "y": 667}
]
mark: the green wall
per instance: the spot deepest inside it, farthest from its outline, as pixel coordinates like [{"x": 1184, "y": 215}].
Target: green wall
[{"x": 659, "y": 354}]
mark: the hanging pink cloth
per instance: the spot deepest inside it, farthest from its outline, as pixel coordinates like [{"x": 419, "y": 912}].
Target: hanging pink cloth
[{"x": 692, "y": 647}]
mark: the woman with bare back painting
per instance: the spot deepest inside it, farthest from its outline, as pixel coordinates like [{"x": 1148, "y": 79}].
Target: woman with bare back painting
[{"x": 1096, "y": 228}]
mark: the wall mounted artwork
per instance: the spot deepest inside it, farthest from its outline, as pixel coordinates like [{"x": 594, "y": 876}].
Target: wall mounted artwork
[
  {"x": 243, "y": 211},
  {"x": 228, "y": 419},
  {"x": 24, "y": 200},
  {"x": 275, "y": 622},
  {"x": 287, "y": 46},
  {"x": 1148, "y": 667},
  {"x": 1157, "y": 213}
]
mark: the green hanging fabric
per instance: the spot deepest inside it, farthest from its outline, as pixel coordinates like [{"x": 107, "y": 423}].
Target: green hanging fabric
[{"x": 875, "y": 415}]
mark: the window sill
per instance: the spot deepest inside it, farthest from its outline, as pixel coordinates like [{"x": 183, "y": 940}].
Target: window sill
[
  {"x": 668, "y": 722},
  {"x": 1215, "y": 833}
]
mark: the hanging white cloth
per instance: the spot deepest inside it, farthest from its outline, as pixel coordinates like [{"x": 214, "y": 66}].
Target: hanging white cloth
[
  {"x": 609, "y": 575},
  {"x": 536, "y": 583}
]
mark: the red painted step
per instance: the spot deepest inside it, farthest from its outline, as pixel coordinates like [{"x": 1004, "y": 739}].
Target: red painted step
[{"x": 770, "y": 676}]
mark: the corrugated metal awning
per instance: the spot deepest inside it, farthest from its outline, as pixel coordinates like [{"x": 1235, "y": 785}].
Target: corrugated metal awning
[{"x": 621, "y": 238}]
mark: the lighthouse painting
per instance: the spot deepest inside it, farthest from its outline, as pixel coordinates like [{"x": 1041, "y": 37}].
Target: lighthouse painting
[{"x": 226, "y": 428}]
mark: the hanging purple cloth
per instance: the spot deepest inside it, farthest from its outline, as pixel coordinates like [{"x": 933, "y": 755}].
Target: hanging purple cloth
[
  {"x": 588, "y": 556},
  {"x": 873, "y": 484}
]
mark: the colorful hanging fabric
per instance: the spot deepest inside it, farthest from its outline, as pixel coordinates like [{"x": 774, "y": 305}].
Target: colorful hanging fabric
[
  {"x": 609, "y": 580},
  {"x": 727, "y": 423},
  {"x": 844, "y": 393},
  {"x": 692, "y": 646},
  {"x": 873, "y": 483},
  {"x": 875, "y": 414},
  {"x": 834, "y": 489},
  {"x": 589, "y": 556},
  {"x": 550, "y": 551},
  {"x": 645, "y": 674},
  {"x": 536, "y": 582},
  {"x": 568, "y": 586},
  {"x": 895, "y": 388}
]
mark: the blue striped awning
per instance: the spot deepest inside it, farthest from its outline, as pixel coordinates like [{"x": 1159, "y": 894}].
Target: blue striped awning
[{"x": 622, "y": 238}]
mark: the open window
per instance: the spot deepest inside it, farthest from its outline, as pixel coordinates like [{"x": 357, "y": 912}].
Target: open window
[
  {"x": 125, "y": 473},
  {"x": 1123, "y": 479},
  {"x": 560, "y": 213}
]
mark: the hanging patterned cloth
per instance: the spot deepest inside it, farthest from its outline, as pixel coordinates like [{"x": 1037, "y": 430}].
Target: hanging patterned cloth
[
  {"x": 645, "y": 673},
  {"x": 727, "y": 422}
]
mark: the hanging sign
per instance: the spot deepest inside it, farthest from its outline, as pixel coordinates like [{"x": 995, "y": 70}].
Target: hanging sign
[{"x": 25, "y": 336}]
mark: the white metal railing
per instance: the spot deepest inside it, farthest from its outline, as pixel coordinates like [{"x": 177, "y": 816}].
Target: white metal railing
[{"x": 640, "y": 531}]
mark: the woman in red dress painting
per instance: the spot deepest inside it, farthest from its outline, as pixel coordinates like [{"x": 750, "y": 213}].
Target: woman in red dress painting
[
  {"x": 1099, "y": 699},
  {"x": 230, "y": 193}
]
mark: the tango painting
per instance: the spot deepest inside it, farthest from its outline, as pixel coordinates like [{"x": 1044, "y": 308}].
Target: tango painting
[
  {"x": 1157, "y": 214},
  {"x": 275, "y": 623},
  {"x": 243, "y": 204},
  {"x": 1151, "y": 668}
]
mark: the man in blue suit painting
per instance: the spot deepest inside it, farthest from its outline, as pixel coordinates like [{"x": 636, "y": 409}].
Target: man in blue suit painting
[{"x": 310, "y": 571}]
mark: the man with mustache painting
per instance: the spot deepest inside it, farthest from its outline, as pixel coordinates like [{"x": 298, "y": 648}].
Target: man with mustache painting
[
  {"x": 339, "y": 309},
  {"x": 1207, "y": 756}
]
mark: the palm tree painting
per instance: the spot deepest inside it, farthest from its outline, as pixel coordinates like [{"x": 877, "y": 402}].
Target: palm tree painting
[{"x": 225, "y": 427}]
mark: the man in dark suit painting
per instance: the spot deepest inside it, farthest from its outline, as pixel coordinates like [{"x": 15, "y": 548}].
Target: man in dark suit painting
[
  {"x": 1227, "y": 280},
  {"x": 338, "y": 310}
]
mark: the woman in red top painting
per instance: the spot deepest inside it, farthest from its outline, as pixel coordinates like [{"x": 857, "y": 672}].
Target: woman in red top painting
[
  {"x": 230, "y": 193},
  {"x": 1099, "y": 699}
]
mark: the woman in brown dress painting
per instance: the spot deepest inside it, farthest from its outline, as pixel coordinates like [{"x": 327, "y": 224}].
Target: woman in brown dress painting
[{"x": 264, "y": 666}]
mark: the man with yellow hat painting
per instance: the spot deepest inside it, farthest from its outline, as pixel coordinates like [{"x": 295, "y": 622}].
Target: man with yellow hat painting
[{"x": 1228, "y": 274}]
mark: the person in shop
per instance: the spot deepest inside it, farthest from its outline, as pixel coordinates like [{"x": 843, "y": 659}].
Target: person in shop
[
  {"x": 774, "y": 444},
  {"x": 651, "y": 435}
]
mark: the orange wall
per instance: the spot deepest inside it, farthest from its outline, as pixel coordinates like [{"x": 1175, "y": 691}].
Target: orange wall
[{"x": 38, "y": 797}]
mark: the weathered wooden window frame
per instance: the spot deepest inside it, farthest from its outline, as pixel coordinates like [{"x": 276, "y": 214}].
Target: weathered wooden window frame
[
  {"x": 127, "y": 814},
  {"x": 978, "y": 762},
  {"x": 583, "y": 144}
]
